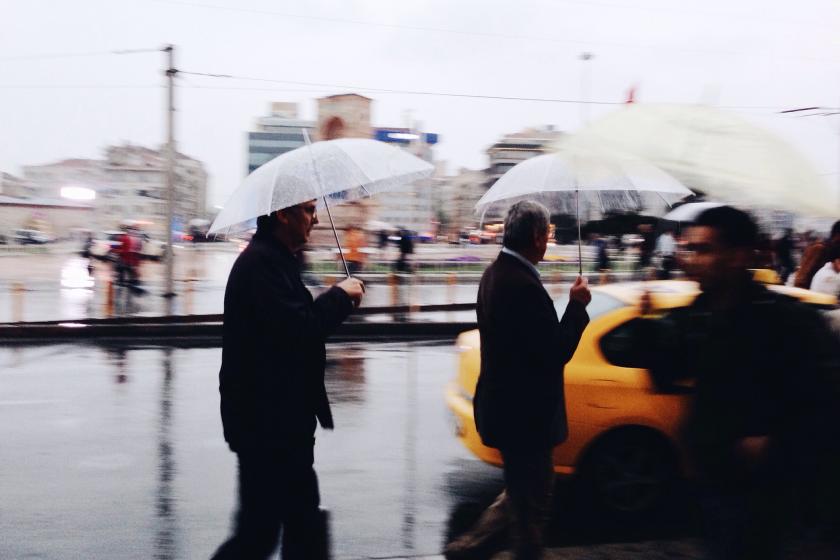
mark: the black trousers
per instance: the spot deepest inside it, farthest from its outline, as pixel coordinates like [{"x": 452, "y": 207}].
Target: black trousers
[
  {"x": 529, "y": 485},
  {"x": 278, "y": 491}
]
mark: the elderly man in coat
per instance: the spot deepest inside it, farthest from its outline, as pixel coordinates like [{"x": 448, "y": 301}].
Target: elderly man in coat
[
  {"x": 272, "y": 387},
  {"x": 519, "y": 401}
]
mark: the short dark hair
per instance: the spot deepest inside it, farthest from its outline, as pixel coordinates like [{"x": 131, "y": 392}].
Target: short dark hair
[
  {"x": 833, "y": 252},
  {"x": 736, "y": 229},
  {"x": 835, "y": 229},
  {"x": 266, "y": 223}
]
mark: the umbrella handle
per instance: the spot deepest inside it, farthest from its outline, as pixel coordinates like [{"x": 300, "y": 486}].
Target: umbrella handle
[
  {"x": 580, "y": 252},
  {"x": 337, "y": 242}
]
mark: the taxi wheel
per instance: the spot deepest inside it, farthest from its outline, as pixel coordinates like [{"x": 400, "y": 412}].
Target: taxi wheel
[{"x": 629, "y": 472}]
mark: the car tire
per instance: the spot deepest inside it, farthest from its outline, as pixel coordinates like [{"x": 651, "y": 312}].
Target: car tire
[{"x": 628, "y": 473}]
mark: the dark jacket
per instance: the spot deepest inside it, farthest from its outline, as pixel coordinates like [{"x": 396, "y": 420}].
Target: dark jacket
[
  {"x": 273, "y": 354},
  {"x": 520, "y": 396},
  {"x": 766, "y": 367}
]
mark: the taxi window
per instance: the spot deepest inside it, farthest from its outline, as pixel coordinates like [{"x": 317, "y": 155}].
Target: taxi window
[
  {"x": 619, "y": 346},
  {"x": 600, "y": 304}
]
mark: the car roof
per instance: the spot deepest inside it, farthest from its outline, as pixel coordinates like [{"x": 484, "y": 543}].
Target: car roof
[{"x": 677, "y": 293}]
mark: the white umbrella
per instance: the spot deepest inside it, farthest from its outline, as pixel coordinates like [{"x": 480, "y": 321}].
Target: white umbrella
[
  {"x": 342, "y": 170},
  {"x": 574, "y": 172},
  {"x": 690, "y": 211},
  {"x": 714, "y": 151}
]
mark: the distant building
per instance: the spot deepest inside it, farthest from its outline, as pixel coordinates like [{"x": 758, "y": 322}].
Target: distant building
[
  {"x": 57, "y": 218},
  {"x": 277, "y": 133},
  {"x": 136, "y": 188},
  {"x": 343, "y": 116},
  {"x": 458, "y": 196},
  {"x": 412, "y": 207},
  {"x": 516, "y": 148},
  {"x": 15, "y": 187},
  {"x": 47, "y": 180}
]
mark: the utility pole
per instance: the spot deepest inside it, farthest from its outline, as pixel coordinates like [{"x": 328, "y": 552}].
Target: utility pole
[
  {"x": 170, "y": 72},
  {"x": 585, "y": 83}
]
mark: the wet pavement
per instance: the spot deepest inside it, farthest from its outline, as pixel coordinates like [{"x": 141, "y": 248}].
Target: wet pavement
[{"x": 117, "y": 452}]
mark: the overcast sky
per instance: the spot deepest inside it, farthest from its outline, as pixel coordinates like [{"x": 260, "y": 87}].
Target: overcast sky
[{"x": 761, "y": 55}]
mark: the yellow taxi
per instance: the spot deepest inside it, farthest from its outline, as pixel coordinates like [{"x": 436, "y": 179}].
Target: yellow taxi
[{"x": 622, "y": 434}]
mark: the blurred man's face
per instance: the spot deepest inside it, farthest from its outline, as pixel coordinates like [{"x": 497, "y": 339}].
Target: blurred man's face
[
  {"x": 709, "y": 262},
  {"x": 297, "y": 223}
]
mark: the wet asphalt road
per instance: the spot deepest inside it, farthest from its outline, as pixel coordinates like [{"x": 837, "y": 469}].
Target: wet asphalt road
[{"x": 118, "y": 453}]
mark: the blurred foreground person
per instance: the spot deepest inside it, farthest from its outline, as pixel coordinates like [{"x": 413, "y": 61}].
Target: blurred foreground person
[
  {"x": 815, "y": 256},
  {"x": 272, "y": 388},
  {"x": 762, "y": 430},
  {"x": 519, "y": 401}
]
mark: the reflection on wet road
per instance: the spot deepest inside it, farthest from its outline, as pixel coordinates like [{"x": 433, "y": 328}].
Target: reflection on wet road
[{"x": 118, "y": 453}]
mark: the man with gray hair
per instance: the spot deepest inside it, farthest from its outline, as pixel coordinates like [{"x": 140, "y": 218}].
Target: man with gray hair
[{"x": 519, "y": 402}]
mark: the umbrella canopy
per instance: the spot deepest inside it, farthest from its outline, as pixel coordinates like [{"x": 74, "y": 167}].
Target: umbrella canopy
[
  {"x": 688, "y": 212},
  {"x": 571, "y": 172},
  {"x": 710, "y": 150},
  {"x": 553, "y": 177},
  {"x": 342, "y": 170}
]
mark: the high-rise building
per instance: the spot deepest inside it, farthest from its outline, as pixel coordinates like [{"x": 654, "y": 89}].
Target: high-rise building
[{"x": 277, "y": 133}]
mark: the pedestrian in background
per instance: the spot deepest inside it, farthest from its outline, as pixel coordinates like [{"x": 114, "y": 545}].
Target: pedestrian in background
[
  {"x": 406, "y": 246},
  {"x": 646, "y": 248},
  {"x": 763, "y": 425},
  {"x": 784, "y": 255},
  {"x": 272, "y": 388},
  {"x": 827, "y": 279},
  {"x": 666, "y": 251},
  {"x": 519, "y": 401},
  {"x": 354, "y": 241},
  {"x": 815, "y": 256}
]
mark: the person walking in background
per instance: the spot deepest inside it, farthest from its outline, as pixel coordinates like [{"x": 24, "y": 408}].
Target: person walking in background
[
  {"x": 784, "y": 255},
  {"x": 355, "y": 241},
  {"x": 814, "y": 257},
  {"x": 406, "y": 246},
  {"x": 519, "y": 401},
  {"x": 128, "y": 259},
  {"x": 763, "y": 423},
  {"x": 666, "y": 251},
  {"x": 602, "y": 256},
  {"x": 646, "y": 248},
  {"x": 272, "y": 390},
  {"x": 827, "y": 279}
]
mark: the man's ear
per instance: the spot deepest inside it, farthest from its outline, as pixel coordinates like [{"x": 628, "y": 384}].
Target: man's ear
[{"x": 281, "y": 217}]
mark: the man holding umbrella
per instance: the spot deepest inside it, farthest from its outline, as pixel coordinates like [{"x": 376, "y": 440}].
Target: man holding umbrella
[
  {"x": 272, "y": 387},
  {"x": 519, "y": 401}
]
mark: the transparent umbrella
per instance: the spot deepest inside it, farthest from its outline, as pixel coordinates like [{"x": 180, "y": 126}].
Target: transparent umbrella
[
  {"x": 554, "y": 178},
  {"x": 716, "y": 152},
  {"x": 339, "y": 170}
]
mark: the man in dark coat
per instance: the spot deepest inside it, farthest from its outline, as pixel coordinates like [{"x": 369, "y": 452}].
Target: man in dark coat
[
  {"x": 272, "y": 387},
  {"x": 519, "y": 401},
  {"x": 762, "y": 424}
]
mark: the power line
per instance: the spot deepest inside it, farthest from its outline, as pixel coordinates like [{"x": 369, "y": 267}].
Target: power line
[
  {"x": 405, "y": 92},
  {"x": 488, "y": 34},
  {"x": 78, "y": 86},
  {"x": 53, "y": 56},
  {"x": 435, "y": 93}
]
